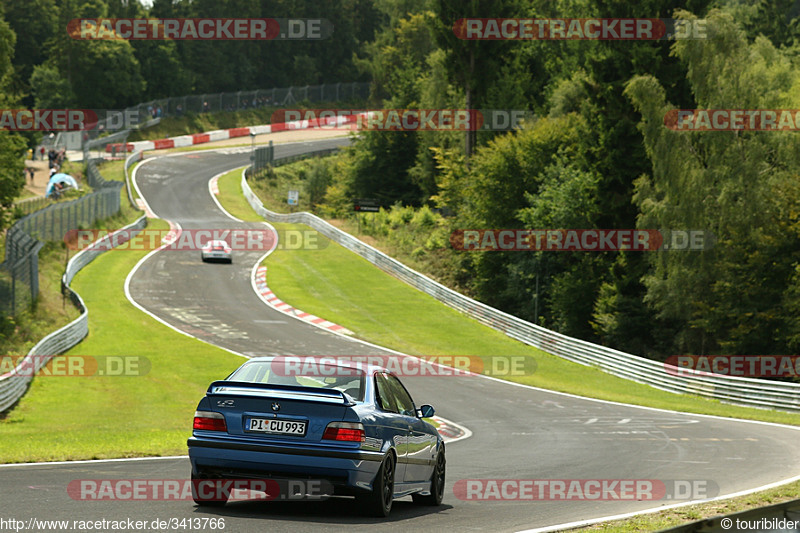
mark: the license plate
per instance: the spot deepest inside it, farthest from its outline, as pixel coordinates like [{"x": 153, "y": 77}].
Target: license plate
[{"x": 276, "y": 426}]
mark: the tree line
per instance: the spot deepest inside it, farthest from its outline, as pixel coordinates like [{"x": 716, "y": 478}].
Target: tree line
[
  {"x": 597, "y": 155},
  {"x": 42, "y": 67}
]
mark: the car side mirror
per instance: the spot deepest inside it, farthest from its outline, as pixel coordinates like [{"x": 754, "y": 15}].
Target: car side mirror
[{"x": 426, "y": 411}]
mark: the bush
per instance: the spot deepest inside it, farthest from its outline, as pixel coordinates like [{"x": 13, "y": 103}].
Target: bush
[
  {"x": 424, "y": 218},
  {"x": 400, "y": 216}
]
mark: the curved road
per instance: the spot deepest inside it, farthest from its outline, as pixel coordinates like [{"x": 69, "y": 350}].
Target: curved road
[{"x": 518, "y": 432}]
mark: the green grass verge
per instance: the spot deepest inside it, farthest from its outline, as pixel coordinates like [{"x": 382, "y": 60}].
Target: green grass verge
[
  {"x": 690, "y": 513},
  {"x": 330, "y": 283},
  {"x": 25, "y": 194},
  {"x": 69, "y": 418},
  {"x": 115, "y": 170},
  {"x": 231, "y": 198}
]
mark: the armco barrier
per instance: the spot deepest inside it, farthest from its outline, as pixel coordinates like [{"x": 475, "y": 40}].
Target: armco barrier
[
  {"x": 13, "y": 385},
  {"x": 129, "y": 162},
  {"x": 762, "y": 519},
  {"x": 736, "y": 390}
]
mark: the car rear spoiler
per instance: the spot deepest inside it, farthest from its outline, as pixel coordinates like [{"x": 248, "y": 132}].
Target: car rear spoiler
[{"x": 293, "y": 392}]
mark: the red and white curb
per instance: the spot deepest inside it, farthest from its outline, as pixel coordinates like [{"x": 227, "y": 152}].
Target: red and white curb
[
  {"x": 450, "y": 431},
  {"x": 173, "y": 234},
  {"x": 221, "y": 135},
  {"x": 213, "y": 186},
  {"x": 146, "y": 208},
  {"x": 273, "y": 301}
]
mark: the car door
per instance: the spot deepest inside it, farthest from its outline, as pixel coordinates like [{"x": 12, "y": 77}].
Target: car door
[
  {"x": 394, "y": 424},
  {"x": 421, "y": 445}
]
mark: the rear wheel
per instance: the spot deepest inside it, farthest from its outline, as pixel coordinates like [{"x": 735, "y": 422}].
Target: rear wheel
[
  {"x": 437, "y": 484},
  {"x": 379, "y": 501},
  {"x": 205, "y": 492}
]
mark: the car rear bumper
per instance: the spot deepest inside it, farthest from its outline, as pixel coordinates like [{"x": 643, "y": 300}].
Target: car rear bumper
[
  {"x": 216, "y": 255},
  {"x": 235, "y": 458}
]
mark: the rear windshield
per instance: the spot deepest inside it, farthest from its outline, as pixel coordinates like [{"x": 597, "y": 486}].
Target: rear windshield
[{"x": 319, "y": 376}]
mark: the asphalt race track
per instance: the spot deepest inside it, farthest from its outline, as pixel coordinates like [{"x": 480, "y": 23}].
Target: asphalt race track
[{"x": 518, "y": 432}]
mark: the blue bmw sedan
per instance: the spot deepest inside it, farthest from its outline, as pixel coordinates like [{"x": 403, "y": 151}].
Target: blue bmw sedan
[{"x": 352, "y": 425}]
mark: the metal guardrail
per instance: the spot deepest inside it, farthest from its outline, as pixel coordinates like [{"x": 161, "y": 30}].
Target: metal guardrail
[
  {"x": 748, "y": 392},
  {"x": 13, "y": 385},
  {"x": 778, "y": 518},
  {"x": 301, "y": 157},
  {"x": 129, "y": 162},
  {"x": 264, "y": 157}
]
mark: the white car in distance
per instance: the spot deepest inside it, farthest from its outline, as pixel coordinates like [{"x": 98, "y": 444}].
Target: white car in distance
[{"x": 216, "y": 251}]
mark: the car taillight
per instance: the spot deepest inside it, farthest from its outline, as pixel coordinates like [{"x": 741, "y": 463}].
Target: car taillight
[
  {"x": 346, "y": 431},
  {"x": 209, "y": 421}
]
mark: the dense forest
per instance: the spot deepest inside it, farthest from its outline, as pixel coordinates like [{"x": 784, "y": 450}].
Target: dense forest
[{"x": 597, "y": 155}]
